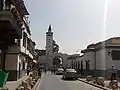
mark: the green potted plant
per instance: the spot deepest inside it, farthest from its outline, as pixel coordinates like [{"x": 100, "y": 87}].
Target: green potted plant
[{"x": 3, "y": 77}]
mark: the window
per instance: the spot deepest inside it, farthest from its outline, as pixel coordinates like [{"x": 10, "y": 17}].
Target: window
[
  {"x": 115, "y": 54},
  {"x": 87, "y": 64},
  {"x": 18, "y": 42},
  {"x": 24, "y": 39},
  {"x": 81, "y": 67},
  {"x": 28, "y": 44},
  {"x": 74, "y": 65},
  {"x": 78, "y": 65},
  {"x": 23, "y": 65},
  {"x": 47, "y": 53}
]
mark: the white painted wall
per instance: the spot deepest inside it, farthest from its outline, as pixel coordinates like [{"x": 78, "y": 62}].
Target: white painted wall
[
  {"x": 89, "y": 56},
  {"x": 101, "y": 59},
  {"x": 21, "y": 59},
  {"x": 79, "y": 60}
]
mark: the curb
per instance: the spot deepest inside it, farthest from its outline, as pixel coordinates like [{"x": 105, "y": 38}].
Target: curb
[
  {"x": 37, "y": 83},
  {"x": 98, "y": 86}
]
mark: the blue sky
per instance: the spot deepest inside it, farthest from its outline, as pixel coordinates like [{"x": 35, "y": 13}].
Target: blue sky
[{"x": 75, "y": 23}]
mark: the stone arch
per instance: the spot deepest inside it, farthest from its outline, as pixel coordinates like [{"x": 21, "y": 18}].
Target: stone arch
[
  {"x": 58, "y": 61},
  {"x": 48, "y": 60},
  {"x": 64, "y": 57}
]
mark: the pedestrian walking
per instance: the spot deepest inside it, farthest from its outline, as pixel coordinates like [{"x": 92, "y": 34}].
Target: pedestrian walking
[
  {"x": 39, "y": 72},
  {"x": 28, "y": 71},
  {"x": 114, "y": 73},
  {"x": 54, "y": 70},
  {"x": 45, "y": 70},
  {"x": 51, "y": 71}
]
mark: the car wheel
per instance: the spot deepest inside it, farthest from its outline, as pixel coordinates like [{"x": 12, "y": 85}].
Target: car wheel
[
  {"x": 75, "y": 78},
  {"x": 64, "y": 77}
]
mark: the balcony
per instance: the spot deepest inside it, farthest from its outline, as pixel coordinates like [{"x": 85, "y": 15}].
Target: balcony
[
  {"x": 14, "y": 49},
  {"x": 10, "y": 23}
]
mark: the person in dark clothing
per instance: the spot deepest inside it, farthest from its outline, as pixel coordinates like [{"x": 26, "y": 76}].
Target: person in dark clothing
[
  {"x": 28, "y": 70},
  {"x": 114, "y": 73},
  {"x": 54, "y": 71},
  {"x": 39, "y": 72},
  {"x": 1, "y": 4},
  {"x": 51, "y": 70}
]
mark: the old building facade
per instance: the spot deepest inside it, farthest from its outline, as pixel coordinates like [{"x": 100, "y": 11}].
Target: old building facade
[
  {"x": 97, "y": 59},
  {"x": 20, "y": 47}
]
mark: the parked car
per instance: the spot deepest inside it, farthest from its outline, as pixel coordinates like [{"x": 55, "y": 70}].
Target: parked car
[
  {"x": 70, "y": 73},
  {"x": 59, "y": 71}
]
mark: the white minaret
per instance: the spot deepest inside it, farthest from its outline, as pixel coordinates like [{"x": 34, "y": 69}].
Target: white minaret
[{"x": 49, "y": 41}]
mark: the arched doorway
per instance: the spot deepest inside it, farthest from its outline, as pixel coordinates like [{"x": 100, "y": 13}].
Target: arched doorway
[{"x": 57, "y": 61}]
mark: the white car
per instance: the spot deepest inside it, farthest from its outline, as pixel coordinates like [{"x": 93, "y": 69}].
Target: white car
[{"x": 59, "y": 71}]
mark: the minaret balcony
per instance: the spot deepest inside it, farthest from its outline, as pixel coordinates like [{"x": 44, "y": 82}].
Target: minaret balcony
[{"x": 11, "y": 23}]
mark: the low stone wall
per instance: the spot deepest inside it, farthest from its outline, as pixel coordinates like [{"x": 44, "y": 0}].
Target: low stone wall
[{"x": 30, "y": 82}]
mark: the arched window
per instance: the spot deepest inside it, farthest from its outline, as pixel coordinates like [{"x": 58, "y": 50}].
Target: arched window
[
  {"x": 78, "y": 65},
  {"x": 23, "y": 65},
  {"x": 87, "y": 64},
  {"x": 81, "y": 67}
]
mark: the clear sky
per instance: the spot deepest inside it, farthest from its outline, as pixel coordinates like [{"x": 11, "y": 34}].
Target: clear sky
[{"x": 75, "y": 23}]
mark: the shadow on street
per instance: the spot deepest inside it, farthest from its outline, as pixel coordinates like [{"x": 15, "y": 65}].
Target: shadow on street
[{"x": 68, "y": 79}]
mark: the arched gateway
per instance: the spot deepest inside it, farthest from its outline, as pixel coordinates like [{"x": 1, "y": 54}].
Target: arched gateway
[{"x": 57, "y": 59}]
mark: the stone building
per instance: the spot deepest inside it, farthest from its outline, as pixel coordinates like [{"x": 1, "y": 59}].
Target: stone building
[
  {"x": 48, "y": 61},
  {"x": 20, "y": 49},
  {"x": 51, "y": 46},
  {"x": 97, "y": 59}
]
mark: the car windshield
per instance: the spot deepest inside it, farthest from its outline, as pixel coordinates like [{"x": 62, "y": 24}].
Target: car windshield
[
  {"x": 70, "y": 70},
  {"x": 60, "y": 69}
]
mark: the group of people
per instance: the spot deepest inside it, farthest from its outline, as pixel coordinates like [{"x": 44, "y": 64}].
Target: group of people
[{"x": 53, "y": 71}]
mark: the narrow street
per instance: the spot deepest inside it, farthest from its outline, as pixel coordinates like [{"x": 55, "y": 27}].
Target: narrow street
[{"x": 54, "y": 82}]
